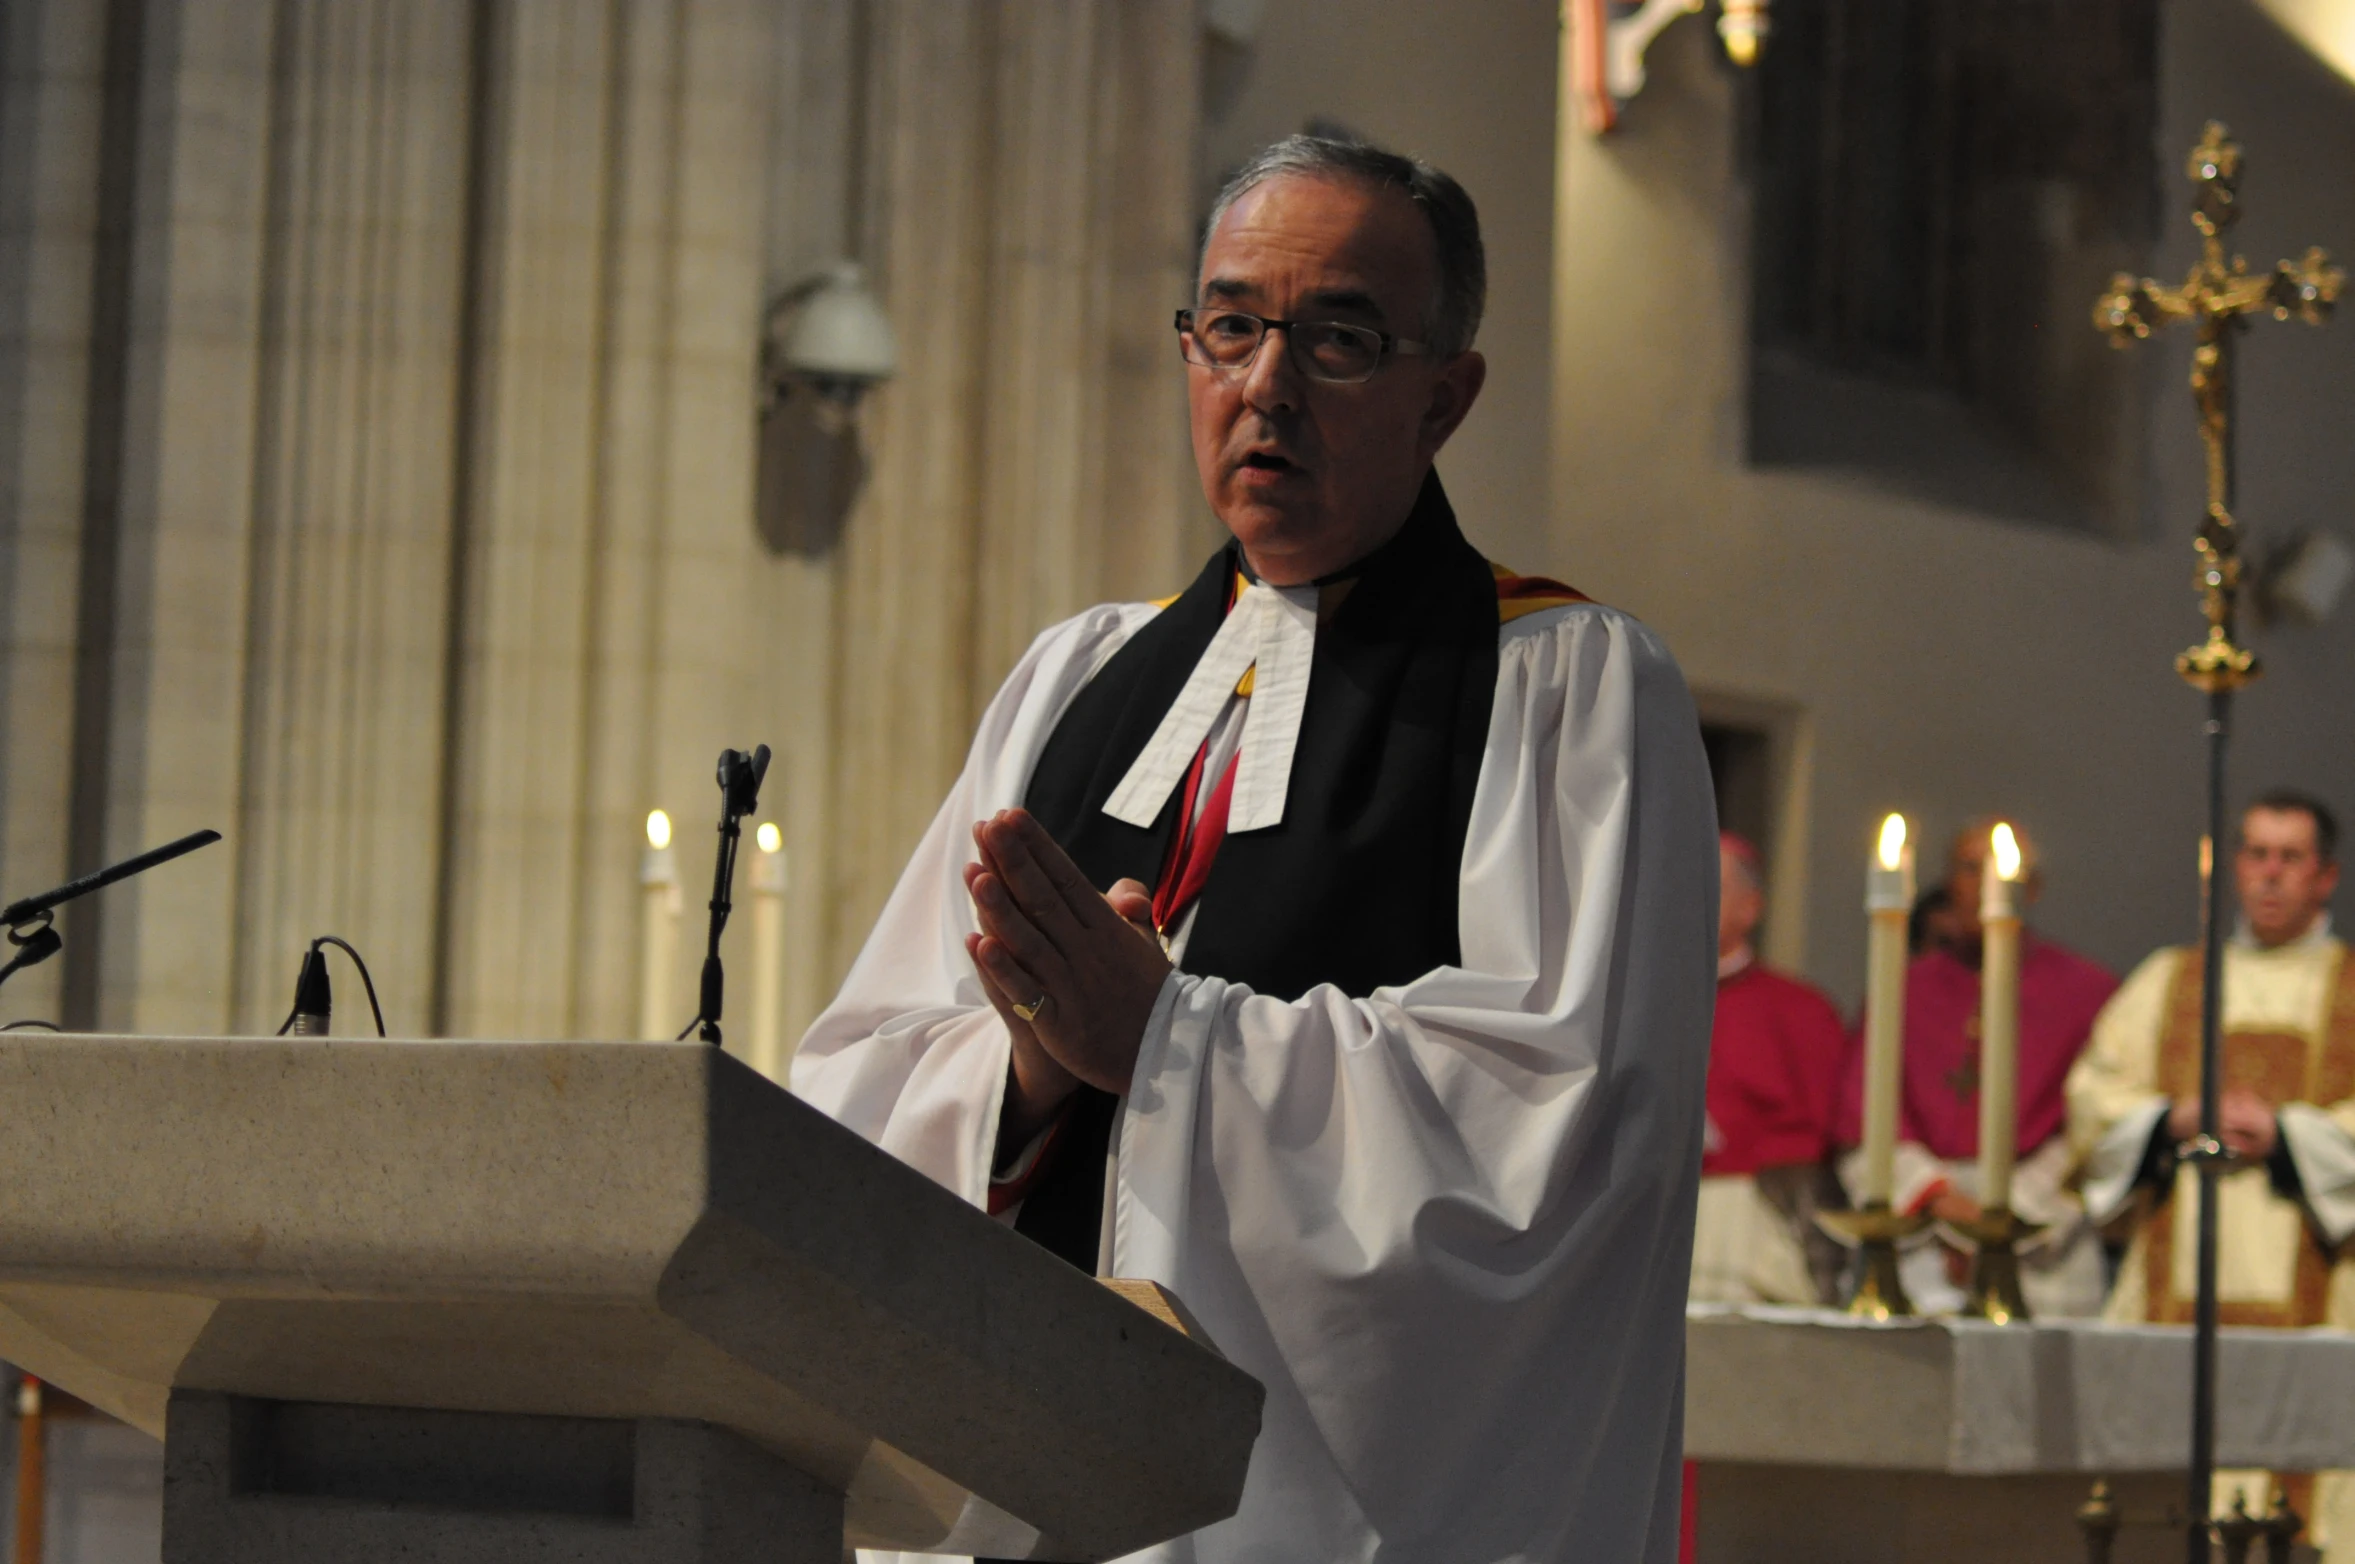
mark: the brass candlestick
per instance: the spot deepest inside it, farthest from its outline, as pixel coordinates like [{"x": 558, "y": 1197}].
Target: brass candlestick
[
  {"x": 2282, "y": 1525},
  {"x": 1995, "y": 1265},
  {"x": 1875, "y": 1230},
  {"x": 2239, "y": 1531},
  {"x": 2099, "y": 1520}
]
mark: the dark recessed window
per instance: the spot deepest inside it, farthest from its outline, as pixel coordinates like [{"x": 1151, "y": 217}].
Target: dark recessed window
[{"x": 1941, "y": 188}]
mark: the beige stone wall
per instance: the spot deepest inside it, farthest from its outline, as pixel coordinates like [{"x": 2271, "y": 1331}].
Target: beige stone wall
[
  {"x": 1936, "y": 661},
  {"x": 389, "y": 504}
]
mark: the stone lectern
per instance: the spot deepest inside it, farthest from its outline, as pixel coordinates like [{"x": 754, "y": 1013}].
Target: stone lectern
[{"x": 571, "y": 1301}]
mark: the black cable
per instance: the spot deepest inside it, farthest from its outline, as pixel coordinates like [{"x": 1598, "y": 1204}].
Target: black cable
[
  {"x": 30, "y": 1025},
  {"x": 344, "y": 945},
  {"x": 366, "y": 981}
]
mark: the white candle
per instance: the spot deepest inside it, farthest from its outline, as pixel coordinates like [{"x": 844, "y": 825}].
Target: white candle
[
  {"x": 768, "y": 954},
  {"x": 1888, "y": 900},
  {"x": 658, "y": 934},
  {"x": 1999, "y": 1019}
]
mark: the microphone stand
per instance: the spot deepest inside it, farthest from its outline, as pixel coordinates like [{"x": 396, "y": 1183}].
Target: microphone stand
[
  {"x": 740, "y": 779},
  {"x": 29, "y": 919}
]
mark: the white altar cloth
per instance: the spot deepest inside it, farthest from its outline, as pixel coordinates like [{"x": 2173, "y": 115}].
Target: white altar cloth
[
  {"x": 1840, "y": 1441},
  {"x": 1966, "y": 1397}
]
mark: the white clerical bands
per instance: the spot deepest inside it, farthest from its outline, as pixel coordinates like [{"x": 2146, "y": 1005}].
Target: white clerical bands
[
  {"x": 1275, "y": 630},
  {"x": 1030, "y": 1011}
]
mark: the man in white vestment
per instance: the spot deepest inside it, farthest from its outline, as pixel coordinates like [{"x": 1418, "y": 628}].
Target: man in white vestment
[
  {"x": 1333, "y": 944},
  {"x": 2286, "y": 1204}
]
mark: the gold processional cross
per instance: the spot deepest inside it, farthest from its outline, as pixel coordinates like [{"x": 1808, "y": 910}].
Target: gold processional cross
[{"x": 2218, "y": 298}]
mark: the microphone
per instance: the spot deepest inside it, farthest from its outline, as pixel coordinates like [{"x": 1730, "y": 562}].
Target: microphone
[
  {"x": 740, "y": 778},
  {"x": 29, "y": 918}
]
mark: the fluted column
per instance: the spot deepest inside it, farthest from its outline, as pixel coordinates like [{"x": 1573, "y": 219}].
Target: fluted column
[
  {"x": 50, "y": 108},
  {"x": 351, "y": 544},
  {"x": 610, "y": 580},
  {"x": 820, "y": 52},
  {"x": 163, "y": 630},
  {"x": 689, "y": 230},
  {"x": 525, "y": 537}
]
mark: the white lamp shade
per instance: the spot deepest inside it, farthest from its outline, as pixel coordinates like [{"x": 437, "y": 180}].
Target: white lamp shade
[{"x": 840, "y": 332}]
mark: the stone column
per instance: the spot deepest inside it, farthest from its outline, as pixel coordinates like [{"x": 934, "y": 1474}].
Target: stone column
[
  {"x": 817, "y": 171},
  {"x": 350, "y": 551},
  {"x": 609, "y": 627},
  {"x": 163, "y": 616},
  {"x": 51, "y": 107},
  {"x": 525, "y": 541}
]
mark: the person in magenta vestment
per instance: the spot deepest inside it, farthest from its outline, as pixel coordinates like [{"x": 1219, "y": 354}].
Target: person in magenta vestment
[
  {"x": 1938, "y": 1108},
  {"x": 1775, "y": 1055}
]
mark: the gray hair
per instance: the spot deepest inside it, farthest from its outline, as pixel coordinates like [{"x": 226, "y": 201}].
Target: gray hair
[{"x": 1454, "y": 221}]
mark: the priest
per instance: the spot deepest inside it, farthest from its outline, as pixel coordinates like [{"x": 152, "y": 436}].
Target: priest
[
  {"x": 2286, "y": 1203},
  {"x": 1332, "y": 943},
  {"x": 1776, "y": 1050},
  {"x": 2061, "y": 992}
]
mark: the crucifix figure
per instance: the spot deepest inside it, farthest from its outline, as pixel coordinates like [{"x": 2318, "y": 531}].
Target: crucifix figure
[{"x": 2217, "y": 298}]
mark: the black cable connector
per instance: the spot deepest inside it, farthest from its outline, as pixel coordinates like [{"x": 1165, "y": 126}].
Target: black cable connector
[{"x": 314, "y": 996}]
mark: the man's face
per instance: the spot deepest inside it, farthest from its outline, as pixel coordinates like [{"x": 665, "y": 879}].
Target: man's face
[
  {"x": 2284, "y": 884},
  {"x": 1312, "y": 476},
  {"x": 1739, "y": 903}
]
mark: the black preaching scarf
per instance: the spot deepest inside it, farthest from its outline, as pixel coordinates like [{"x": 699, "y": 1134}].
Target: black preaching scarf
[{"x": 1357, "y": 886}]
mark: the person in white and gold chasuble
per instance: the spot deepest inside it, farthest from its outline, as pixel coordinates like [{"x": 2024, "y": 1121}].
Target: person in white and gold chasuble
[
  {"x": 1333, "y": 943},
  {"x": 2286, "y": 1205}
]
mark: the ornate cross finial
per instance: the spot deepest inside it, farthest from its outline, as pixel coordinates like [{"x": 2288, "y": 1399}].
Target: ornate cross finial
[{"x": 2217, "y": 298}]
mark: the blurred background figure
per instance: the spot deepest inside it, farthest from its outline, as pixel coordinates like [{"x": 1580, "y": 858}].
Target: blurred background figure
[
  {"x": 2286, "y": 1203},
  {"x": 1774, "y": 1075}
]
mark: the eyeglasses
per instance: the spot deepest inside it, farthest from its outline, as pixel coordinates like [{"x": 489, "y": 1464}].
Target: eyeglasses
[{"x": 1327, "y": 350}]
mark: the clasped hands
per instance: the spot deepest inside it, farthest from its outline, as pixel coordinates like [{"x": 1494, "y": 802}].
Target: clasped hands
[
  {"x": 1074, "y": 972},
  {"x": 2245, "y": 1122}
]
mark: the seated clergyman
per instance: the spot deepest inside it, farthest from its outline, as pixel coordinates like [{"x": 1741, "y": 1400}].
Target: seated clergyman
[{"x": 1333, "y": 944}]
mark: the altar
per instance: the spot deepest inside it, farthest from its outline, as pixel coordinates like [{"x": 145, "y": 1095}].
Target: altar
[{"x": 1939, "y": 1441}]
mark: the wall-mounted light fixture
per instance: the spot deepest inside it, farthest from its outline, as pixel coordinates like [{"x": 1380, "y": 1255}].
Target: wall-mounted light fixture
[
  {"x": 825, "y": 343},
  {"x": 1608, "y": 39},
  {"x": 828, "y": 333}
]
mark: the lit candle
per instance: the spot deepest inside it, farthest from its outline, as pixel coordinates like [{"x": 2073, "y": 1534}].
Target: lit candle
[
  {"x": 658, "y": 879},
  {"x": 1999, "y": 1019},
  {"x": 1888, "y": 900},
  {"x": 768, "y": 953}
]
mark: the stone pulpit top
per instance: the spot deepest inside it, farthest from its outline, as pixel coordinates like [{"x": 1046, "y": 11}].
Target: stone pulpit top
[{"x": 590, "y": 1230}]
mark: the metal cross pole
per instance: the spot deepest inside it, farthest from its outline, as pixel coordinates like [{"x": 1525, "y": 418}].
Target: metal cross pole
[{"x": 2217, "y": 298}]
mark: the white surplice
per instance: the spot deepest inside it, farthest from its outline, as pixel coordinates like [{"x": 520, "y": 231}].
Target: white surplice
[{"x": 1447, "y": 1223}]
